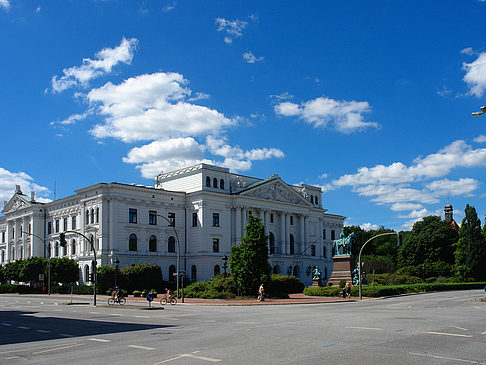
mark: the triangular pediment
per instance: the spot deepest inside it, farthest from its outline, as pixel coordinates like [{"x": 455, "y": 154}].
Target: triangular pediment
[
  {"x": 16, "y": 203},
  {"x": 275, "y": 190}
]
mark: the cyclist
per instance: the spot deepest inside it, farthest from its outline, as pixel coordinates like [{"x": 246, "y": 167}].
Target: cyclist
[
  {"x": 168, "y": 295},
  {"x": 117, "y": 294}
]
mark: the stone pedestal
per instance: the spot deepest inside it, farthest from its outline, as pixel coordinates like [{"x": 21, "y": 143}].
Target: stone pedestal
[
  {"x": 316, "y": 282},
  {"x": 342, "y": 269}
]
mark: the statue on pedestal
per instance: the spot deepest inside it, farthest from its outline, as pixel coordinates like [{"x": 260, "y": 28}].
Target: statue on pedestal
[
  {"x": 316, "y": 273},
  {"x": 342, "y": 246}
]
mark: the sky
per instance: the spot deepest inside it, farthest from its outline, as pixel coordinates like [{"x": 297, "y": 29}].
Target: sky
[{"x": 370, "y": 100}]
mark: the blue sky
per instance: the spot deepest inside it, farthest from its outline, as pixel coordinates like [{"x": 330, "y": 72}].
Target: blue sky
[{"x": 371, "y": 101}]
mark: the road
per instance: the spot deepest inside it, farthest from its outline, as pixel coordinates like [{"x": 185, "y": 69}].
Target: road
[{"x": 433, "y": 328}]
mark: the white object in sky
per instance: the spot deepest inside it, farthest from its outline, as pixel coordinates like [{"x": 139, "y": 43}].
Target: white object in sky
[{"x": 477, "y": 114}]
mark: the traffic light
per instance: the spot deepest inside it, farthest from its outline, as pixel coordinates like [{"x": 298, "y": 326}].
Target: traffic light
[
  {"x": 62, "y": 238},
  {"x": 91, "y": 277}
]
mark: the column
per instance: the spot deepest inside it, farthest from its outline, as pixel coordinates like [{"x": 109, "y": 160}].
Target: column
[
  {"x": 244, "y": 213},
  {"x": 238, "y": 225},
  {"x": 265, "y": 221},
  {"x": 287, "y": 234},
  {"x": 306, "y": 234},
  {"x": 282, "y": 233},
  {"x": 302, "y": 232}
]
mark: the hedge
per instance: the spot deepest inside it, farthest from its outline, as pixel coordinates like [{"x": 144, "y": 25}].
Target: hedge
[
  {"x": 24, "y": 289},
  {"x": 382, "y": 291}
]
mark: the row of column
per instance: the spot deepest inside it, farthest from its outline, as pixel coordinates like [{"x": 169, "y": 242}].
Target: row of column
[{"x": 283, "y": 244}]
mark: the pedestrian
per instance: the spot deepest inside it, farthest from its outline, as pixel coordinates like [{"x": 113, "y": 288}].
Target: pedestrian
[
  {"x": 261, "y": 293},
  {"x": 347, "y": 290}
]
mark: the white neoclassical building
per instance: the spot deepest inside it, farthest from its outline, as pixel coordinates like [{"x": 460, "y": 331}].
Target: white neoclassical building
[{"x": 210, "y": 207}]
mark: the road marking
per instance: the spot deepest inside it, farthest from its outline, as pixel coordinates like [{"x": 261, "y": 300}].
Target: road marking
[
  {"x": 42, "y": 331},
  {"x": 23, "y": 328},
  {"x": 366, "y": 328},
  {"x": 192, "y": 356},
  {"x": 65, "y": 335},
  {"x": 399, "y": 330},
  {"x": 446, "y": 358},
  {"x": 58, "y": 348},
  {"x": 447, "y": 334},
  {"x": 12, "y": 357},
  {"x": 332, "y": 344},
  {"x": 141, "y": 347},
  {"x": 115, "y": 314},
  {"x": 484, "y": 333},
  {"x": 460, "y": 328},
  {"x": 98, "y": 340},
  {"x": 477, "y": 307},
  {"x": 141, "y": 317},
  {"x": 6, "y": 324},
  {"x": 94, "y": 312}
]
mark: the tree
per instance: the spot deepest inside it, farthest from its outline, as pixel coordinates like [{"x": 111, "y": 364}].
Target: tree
[
  {"x": 470, "y": 254},
  {"x": 142, "y": 276},
  {"x": 249, "y": 260},
  {"x": 64, "y": 270},
  {"x": 430, "y": 241},
  {"x": 12, "y": 270},
  {"x": 105, "y": 278},
  {"x": 31, "y": 268}
]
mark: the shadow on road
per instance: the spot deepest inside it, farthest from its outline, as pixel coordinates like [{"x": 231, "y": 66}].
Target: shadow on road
[{"x": 20, "y": 327}]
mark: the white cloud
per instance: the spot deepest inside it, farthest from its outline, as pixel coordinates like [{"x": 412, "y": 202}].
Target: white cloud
[
  {"x": 152, "y": 107},
  {"x": 463, "y": 186},
  {"x": 233, "y": 28},
  {"x": 5, "y": 4},
  {"x": 169, "y": 7},
  {"x": 397, "y": 207},
  {"x": 344, "y": 116},
  {"x": 480, "y": 139},
  {"x": 249, "y": 57},
  {"x": 475, "y": 77},
  {"x": 391, "y": 194},
  {"x": 369, "y": 226},
  {"x": 9, "y": 179},
  {"x": 73, "y": 118},
  {"x": 416, "y": 214},
  {"x": 467, "y": 51},
  {"x": 105, "y": 60}
]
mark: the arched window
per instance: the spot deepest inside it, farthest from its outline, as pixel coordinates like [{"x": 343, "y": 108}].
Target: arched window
[
  {"x": 12, "y": 253},
  {"x": 56, "y": 249},
  {"x": 172, "y": 270},
  {"x": 171, "y": 244},
  {"x": 92, "y": 215},
  {"x": 21, "y": 252},
  {"x": 208, "y": 181},
  {"x": 86, "y": 273},
  {"x": 193, "y": 273},
  {"x": 316, "y": 201},
  {"x": 97, "y": 215},
  {"x": 87, "y": 217},
  {"x": 132, "y": 242},
  {"x": 276, "y": 269},
  {"x": 91, "y": 238},
  {"x": 271, "y": 241},
  {"x": 312, "y": 199},
  {"x": 73, "y": 247},
  {"x": 215, "y": 183},
  {"x": 2, "y": 258},
  {"x": 292, "y": 245},
  {"x": 152, "y": 244},
  {"x": 217, "y": 270},
  {"x": 221, "y": 184}
]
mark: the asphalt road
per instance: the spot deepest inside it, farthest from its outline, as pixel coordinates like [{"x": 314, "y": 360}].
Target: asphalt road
[{"x": 434, "y": 328}]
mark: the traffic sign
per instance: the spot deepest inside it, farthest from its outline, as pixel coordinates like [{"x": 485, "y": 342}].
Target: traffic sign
[{"x": 150, "y": 297}]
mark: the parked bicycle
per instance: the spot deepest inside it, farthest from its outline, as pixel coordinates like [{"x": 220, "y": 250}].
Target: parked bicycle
[
  {"x": 120, "y": 300},
  {"x": 172, "y": 300}
]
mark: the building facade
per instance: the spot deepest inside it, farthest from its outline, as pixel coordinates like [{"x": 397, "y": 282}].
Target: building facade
[{"x": 196, "y": 213}]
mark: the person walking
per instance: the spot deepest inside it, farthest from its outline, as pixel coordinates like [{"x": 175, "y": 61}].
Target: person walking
[{"x": 261, "y": 293}]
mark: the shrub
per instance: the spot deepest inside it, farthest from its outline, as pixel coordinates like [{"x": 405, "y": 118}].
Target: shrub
[
  {"x": 323, "y": 291},
  {"x": 83, "y": 289},
  {"x": 392, "y": 279},
  {"x": 137, "y": 293},
  {"x": 138, "y": 276},
  {"x": 342, "y": 283},
  {"x": 281, "y": 285},
  {"x": 219, "y": 287}
]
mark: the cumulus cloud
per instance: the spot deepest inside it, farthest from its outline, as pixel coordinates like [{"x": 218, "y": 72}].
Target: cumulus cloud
[
  {"x": 5, "y": 4},
  {"x": 103, "y": 63},
  {"x": 397, "y": 207},
  {"x": 9, "y": 179},
  {"x": 463, "y": 186},
  {"x": 475, "y": 76},
  {"x": 249, "y": 57},
  {"x": 369, "y": 226},
  {"x": 480, "y": 139},
  {"x": 344, "y": 116},
  {"x": 232, "y": 28}
]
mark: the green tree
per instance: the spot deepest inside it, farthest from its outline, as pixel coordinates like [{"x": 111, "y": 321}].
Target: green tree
[
  {"x": 106, "y": 278},
  {"x": 12, "y": 270},
  {"x": 64, "y": 270},
  {"x": 431, "y": 240},
  {"x": 470, "y": 254},
  {"x": 31, "y": 268},
  {"x": 249, "y": 260},
  {"x": 2, "y": 275},
  {"x": 142, "y": 276}
]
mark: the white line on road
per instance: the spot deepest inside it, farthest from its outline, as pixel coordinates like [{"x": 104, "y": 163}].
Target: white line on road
[
  {"x": 58, "y": 348},
  {"x": 12, "y": 357},
  {"x": 98, "y": 340},
  {"x": 94, "y": 312},
  {"x": 459, "y": 328},
  {"x": 484, "y": 333},
  {"x": 142, "y": 317},
  {"x": 42, "y": 331},
  {"x": 65, "y": 335},
  {"x": 141, "y": 347},
  {"x": 6, "y": 324},
  {"x": 447, "y": 334},
  {"x": 366, "y": 328},
  {"x": 23, "y": 328},
  {"x": 447, "y": 358},
  {"x": 192, "y": 356}
]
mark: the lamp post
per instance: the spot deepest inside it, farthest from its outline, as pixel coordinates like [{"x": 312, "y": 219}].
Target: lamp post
[
  {"x": 225, "y": 264},
  {"x": 62, "y": 239},
  {"x": 172, "y": 224},
  {"x": 117, "y": 264},
  {"x": 361, "y": 250},
  {"x": 48, "y": 249}
]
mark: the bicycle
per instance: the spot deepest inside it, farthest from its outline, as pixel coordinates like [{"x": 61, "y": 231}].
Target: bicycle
[
  {"x": 172, "y": 300},
  {"x": 119, "y": 300}
]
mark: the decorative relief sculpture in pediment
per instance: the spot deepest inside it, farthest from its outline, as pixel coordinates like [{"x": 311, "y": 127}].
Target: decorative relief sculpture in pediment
[{"x": 275, "y": 191}]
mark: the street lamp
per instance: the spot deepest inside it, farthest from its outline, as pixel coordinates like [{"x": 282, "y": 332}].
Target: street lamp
[
  {"x": 48, "y": 260},
  {"x": 477, "y": 114},
  {"x": 172, "y": 224},
  {"x": 117, "y": 264},
  {"x": 225, "y": 264},
  {"x": 361, "y": 250}
]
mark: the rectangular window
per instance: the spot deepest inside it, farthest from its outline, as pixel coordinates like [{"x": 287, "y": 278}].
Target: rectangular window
[
  {"x": 215, "y": 245},
  {"x": 271, "y": 217},
  {"x": 3, "y": 236},
  {"x": 49, "y": 227},
  {"x": 333, "y": 234},
  {"x": 132, "y": 215},
  {"x": 73, "y": 222},
  {"x": 57, "y": 225},
  {"x": 324, "y": 254},
  {"x": 194, "y": 219},
  {"x": 323, "y": 234},
  {"x": 291, "y": 220},
  {"x": 30, "y": 228},
  {"x": 152, "y": 217},
  {"x": 64, "y": 224},
  {"x": 215, "y": 219},
  {"x": 313, "y": 250},
  {"x": 172, "y": 221}
]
